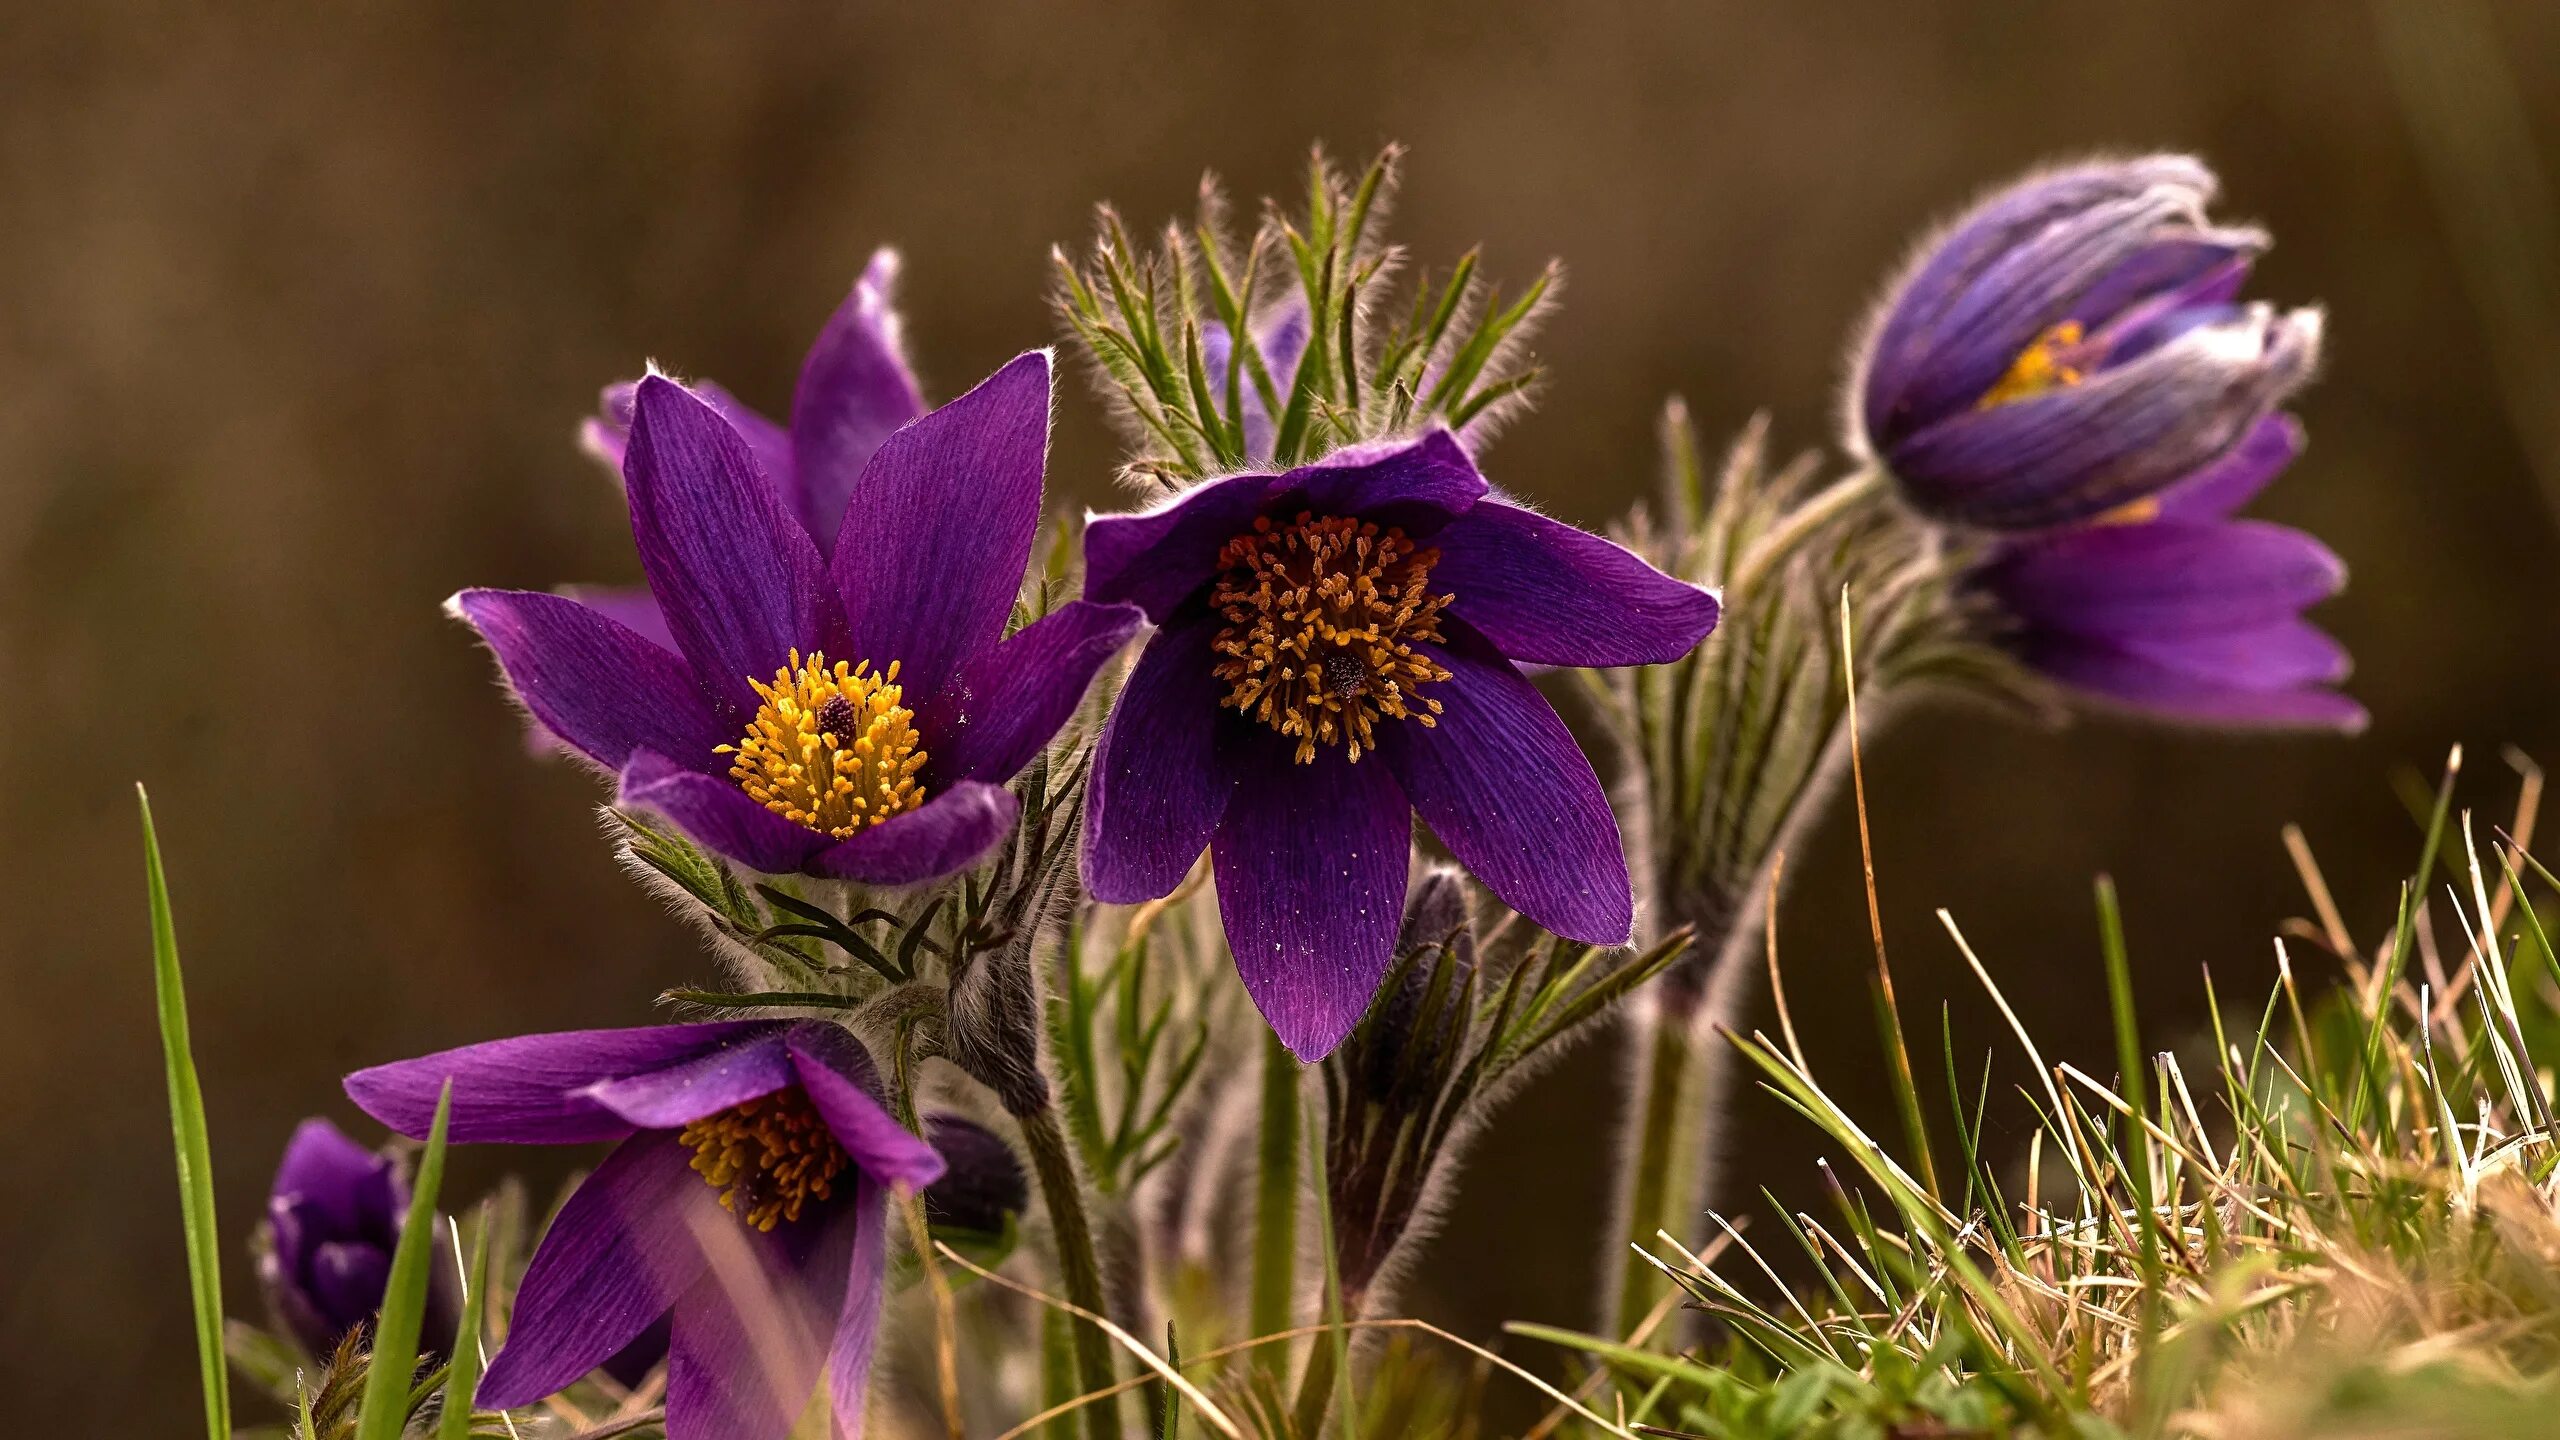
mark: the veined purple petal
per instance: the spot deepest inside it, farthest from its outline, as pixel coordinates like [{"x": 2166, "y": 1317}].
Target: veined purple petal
[
  {"x": 619, "y": 1253},
  {"x": 2164, "y": 579},
  {"x": 348, "y": 1277},
  {"x": 2280, "y": 656},
  {"x": 2144, "y": 685},
  {"x": 1502, "y": 783},
  {"x": 630, "y": 606},
  {"x": 2220, "y": 489},
  {"x": 739, "y": 579},
  {"x": 1010, "y": 698},
  {"x": 1311, "y": 863},
  {"x": 607, "y": 436},
  {"x": 1281, "y": 336},
  {"x": 1158, "y": 789},
  {"x": 2075, "y": 452},
  {"x": 1549, "y": 594},
  {"x": 326, "y": 1173},
  {"x": 855, "y": 390},
  {"x": 1419, "y": 485},
  {"x": 2200, "y": 268},
  {"x": 929, "y": 561},
  {"x": 602, "y": 689},
  {"x": 951, "y": 831},
  {"x": 530, "y": 1089},
  {"x": 752, "y": 1335},
  {"x": 858, "y": 1319},
  {"x": 678, "y": 1095},
  {"x": 718, "y": 815},
  {"x": 844, "y": 1085},
  {"x": 1156, "y": 558}
]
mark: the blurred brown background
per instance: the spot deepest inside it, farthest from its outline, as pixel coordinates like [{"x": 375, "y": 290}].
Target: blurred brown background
[{"x": 298, "y": 308}]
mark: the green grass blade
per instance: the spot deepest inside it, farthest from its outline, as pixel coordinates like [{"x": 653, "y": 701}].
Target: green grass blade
[
  {"x": 194, "y": 1146},
  {"x": 462, "y": 1376},
  {"x": 384, "y": 1411}
]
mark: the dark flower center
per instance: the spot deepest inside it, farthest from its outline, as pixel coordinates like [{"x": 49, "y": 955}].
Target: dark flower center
[
  {"x": 1323, "y": 614},
  {"x": 768, "y": 1157},
  {"x": 833, "y": 747}
]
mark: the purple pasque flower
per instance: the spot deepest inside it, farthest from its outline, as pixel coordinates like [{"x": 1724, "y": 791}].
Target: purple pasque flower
[
  {"x": 851, "y": 714},
  {"x": 746, "y": 1204},
  {"x": 2173, "y": 608},
  {"x": 2073, "y": 344},
  {"x": 1338, "y": 647},
  {"x": 333, "y": 1219}
]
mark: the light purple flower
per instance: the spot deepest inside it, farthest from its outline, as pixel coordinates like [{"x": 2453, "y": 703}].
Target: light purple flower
[
  {"x": 746, "y": 1204},
  {"x": 2074, "y": 344},
  {"x": 333, "y": 1219},
  {"x": 852, "y": 712},
  {"x": 2173, "y": 608},
  {"x": 1378, "y": 601}
]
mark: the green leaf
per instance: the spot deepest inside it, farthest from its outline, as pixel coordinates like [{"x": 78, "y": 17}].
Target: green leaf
[
  {"x": 384, "y": 1411},
  {"x": 194, "y": 1146}
]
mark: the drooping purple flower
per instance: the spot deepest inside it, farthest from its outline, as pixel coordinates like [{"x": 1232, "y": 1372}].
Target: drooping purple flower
[
  {"x": 333, "y": 1220},
  {"x": 1338, "y": 648},
  {"x": 746, "y": 1204},
  {"x": 2173, "y": 608},
  {"x": 2073, "y": 344},
  {"x": 852, "y": 713}
]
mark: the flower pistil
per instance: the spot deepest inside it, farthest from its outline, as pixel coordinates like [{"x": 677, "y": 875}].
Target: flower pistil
[
  {"x": 768, "y": 1157},
  {"x": 1323, "y": 614},
  {"x": 832, "y": 747}
]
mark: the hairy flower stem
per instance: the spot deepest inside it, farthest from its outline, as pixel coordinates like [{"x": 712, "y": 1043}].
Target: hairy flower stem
[
  {"x": 1078, "y": 1268},
  {"x": 1275, "y": 1207}
]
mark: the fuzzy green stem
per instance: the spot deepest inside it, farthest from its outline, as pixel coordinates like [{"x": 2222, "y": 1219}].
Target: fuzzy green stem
[
  {"x": 1078, "y": 1268},
  {"x": 1801, "y": 524},
  {"x": 1275, "y": 1204},
  {"x": 1667, "y": 1186}
]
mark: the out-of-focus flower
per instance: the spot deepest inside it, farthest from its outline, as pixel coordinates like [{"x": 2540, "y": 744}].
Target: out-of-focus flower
[
  {"x": 2071, "y": 345},
  {"x": 982, "y": 1187},
  {"x": 333, "y": 1219},
  {"x": 851, "y": 714},
  {"x": 746, "y": 1204},
  {"x": 1377, "y": 601},
  {"x": 2173, "y": 608}
]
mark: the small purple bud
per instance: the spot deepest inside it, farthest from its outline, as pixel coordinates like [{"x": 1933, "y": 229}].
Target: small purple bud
[
  {"x": 983, "y": 1186},
  {"x": 333, "y": 1220}
]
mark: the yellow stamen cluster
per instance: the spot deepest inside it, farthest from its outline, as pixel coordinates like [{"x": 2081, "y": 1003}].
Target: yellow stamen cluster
[
  {"x": 2043, "y": 365},
  {"x": 768, "y": 1157},
  {"x": 1322, "y": 616},
  {"x": 833, "y": 747}
]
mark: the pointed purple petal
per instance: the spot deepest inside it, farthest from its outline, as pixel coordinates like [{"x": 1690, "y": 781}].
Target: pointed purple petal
[
  {"x": 2142, "y": 684},
  {"x": 739, "y": 579},
  {"x": 751, "y": 1336},
  {"x": 930, "y": 559},
  {"x": 603, "y": 690},
  {"x": 630, "y": 606},
  {"x": 2219, "y": 490},
  {"x": 327, "y": 1173},
  {"x": 1010, "y": 698},
  {"x": 676, "y": 1096},
  {"x": 1549, "y": 594},
  {"x": 2165, "y": 578},
  {"x": 607, "y": 436},
  {"x": 841, "y": 1080},
  {"x": 1156, "y": 558},
  {"x": 1158, "y": 789},
  {"x": 855, "y": 390},
  {"x": 623, "y": 1247},
  {"x": 858, "y": 1319},
  {"x": 1311, "y": 863},
  {"x": 530, "y": 1089},
  {"x": 347, "y": 1280},
  {"x": 947, "y": 834},
  {"x": 1502, "y": 783},
  {"x": 717, "y": 814},
  {"x": 2281, "y": 656},
  {"x": 1417, "y": 484}
]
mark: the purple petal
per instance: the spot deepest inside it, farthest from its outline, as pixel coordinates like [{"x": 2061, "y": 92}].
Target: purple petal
[
  {"x": 718, "y": 815},
  {"x": 2220, "y": 489},
  {"x": 530, "y": 1089},
  {"x": 630, "y": 606},
  {"x": 2281, "y": 656},
  {"x": 1011, "y": 697},
  {"x": 1281, "y": 336},
  {"x": 929, "y": 562},
  {"x": 619, "y": 1253},
  {"x": 947, "y": 834},
  {"x": 1419, "y": 485},
  {"x": 752, "y": 1334},
  {"x": 603, "y": 690},
  {"x": 347, "y": 1279},
  {"x": 844, "y": 1084},
  {"x": 2179, "y": 693},
  {"x": 1549, "y": 594},
  {"x": 326, "y": 1173},
  {"x": 855, "y": 390},
  {"x": 1311, "y": 863},
  {"x": 676, "y": 1096},
  {"x": 607, "y": 436},
  {"x": 1502, "y": 783},
  {"x": 1157, "y": 557},
  {"x": 1158, "y": 788},
  {"x": 858, "y": 1319},
  {"x": 739, "y": 579},
  {"x": 2165, "y": 578}
]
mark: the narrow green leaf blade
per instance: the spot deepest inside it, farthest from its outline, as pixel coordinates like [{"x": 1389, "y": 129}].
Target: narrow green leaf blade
[
  {"x": 383, "y": 1412},
  {"x": 462, "y": 1376},
  {"x": 194, "y": 1146}
]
